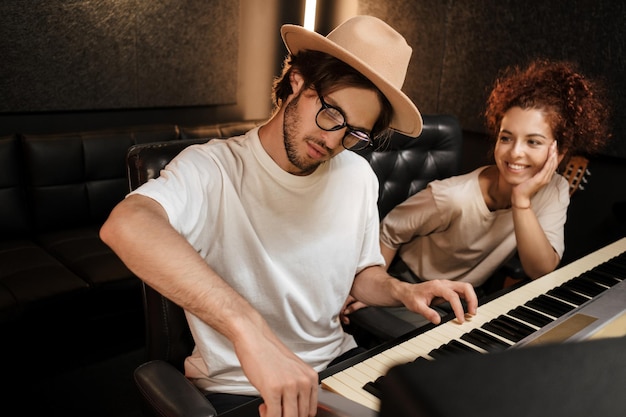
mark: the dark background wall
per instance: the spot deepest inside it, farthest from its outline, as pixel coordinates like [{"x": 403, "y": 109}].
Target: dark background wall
[
  {"x": 81, "y": 63},
  {"x": 459, "y": 47},
  {"x": 88, "y": 64},
  {"x": 85, "y": 64},
  {"x": 88, "y": 55}
]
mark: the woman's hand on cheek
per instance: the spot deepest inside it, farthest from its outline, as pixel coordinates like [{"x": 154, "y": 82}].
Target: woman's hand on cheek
[{"x": 522, "y": 193}]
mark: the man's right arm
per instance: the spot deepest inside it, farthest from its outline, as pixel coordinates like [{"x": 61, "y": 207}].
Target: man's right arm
[{"x": 139, "y": 232}]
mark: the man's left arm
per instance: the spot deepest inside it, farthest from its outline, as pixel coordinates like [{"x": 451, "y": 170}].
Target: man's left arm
[{"x": 375, "y": 287}]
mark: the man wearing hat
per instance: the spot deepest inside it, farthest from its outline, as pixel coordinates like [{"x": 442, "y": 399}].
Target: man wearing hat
[{"x": 261, "y": 238}]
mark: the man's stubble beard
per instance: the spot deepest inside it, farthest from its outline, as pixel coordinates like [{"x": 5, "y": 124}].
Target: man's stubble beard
[{"x": 291, "y": 124}]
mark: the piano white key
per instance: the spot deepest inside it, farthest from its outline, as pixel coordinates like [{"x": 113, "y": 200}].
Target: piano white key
[
  {"x": 358, "y": 375},
  {"x": 356, "y": 394},
  {"x": 454, "y": 330},
  {"x": 394, "y": 357},
  {"x": 408, "y": 354},
  {"x": 418, "y": 347},
  {"x": 436, "y": 336},
  {"x": 429, "y": 340},
  {"x": 421, "y": 345},
  {"x": 497, "y": 336},
  {"x": 367, "y": 370},
  {"x": 378, "y": 363}
]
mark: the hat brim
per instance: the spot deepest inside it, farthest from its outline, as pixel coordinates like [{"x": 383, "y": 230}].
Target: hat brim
[{"x": 406, "y": 117}]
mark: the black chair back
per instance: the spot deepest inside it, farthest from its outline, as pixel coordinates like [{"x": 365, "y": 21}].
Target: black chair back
[{"x": 167, "y": 334}]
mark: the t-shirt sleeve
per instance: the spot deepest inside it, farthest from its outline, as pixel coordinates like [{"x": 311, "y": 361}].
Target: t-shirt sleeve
[
  {"x": 417, "y": 215},
  {"x": 182, "y": 188}
]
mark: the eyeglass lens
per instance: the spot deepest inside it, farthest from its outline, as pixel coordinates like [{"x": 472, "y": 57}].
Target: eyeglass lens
[{"x": 330, "y": 119}]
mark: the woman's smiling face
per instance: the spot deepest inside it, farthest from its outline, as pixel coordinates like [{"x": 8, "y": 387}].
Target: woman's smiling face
[{"x": 523, "y": 143}]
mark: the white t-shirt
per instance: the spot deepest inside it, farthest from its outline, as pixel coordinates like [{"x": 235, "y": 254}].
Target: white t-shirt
[
  {"x": 291, "y": 245},
  {"x": 446, "y": 231}
]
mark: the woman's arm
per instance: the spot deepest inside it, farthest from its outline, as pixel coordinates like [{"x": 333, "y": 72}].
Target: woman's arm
[
  {"x": 536, "y": 253},
  {"x": 388, "y": 253}
]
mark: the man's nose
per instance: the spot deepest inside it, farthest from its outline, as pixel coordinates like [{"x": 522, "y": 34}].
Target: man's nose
[{"x": 333, "y": 139}]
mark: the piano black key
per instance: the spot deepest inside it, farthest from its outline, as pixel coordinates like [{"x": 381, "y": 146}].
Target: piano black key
[
  {"x": 502, "y": 332},
  {"x": 618, "y": 259},
  {"x": 617, "y": 267},
  {"x": 615, "y": 270},
  {"x": 568, "y": 295},
  {"x": 522, "y": 327},
  {"x": 618, "y": 262},
  {"x": 483, "y": 340},
  {"x": 549, "y": 305},
  {"x": 373, "y": 387},
  {"x": 584, "y": 286},
  {"x": 462, "y": 346},
  {"x": 602, "y": 277},
  {"x": 572, "y": 286},
  {"x": 420, "y": 359},
  {"x": 508, "y": 328},
  {"x": 453, "y": 347},
  {"x": 591, "y": 281},
  {"x": 530, "y": 316},
  {"x": 439, "y": 353}
]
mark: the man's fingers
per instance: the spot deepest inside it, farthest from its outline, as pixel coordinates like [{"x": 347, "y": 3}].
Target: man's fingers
[
  {"x": 432, "y": 316},
  {"x": 271, "y": 407},
  {"x": 471, "y": 299},
  {"x": 453, "y": 293},
  {"x": 295, "y": 398},
  {"x": 313, "y": 402},
  {"x": 457, "y": 308}
]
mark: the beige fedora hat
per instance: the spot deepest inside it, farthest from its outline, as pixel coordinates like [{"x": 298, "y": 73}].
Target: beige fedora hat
[{"x": 373, "y": 48}]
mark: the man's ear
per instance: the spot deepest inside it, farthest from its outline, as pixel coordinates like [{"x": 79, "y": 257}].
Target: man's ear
[{"x": 296, "y": 81}]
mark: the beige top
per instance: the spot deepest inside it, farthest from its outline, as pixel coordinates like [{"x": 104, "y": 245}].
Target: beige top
[{"x": 446, "y": 230}]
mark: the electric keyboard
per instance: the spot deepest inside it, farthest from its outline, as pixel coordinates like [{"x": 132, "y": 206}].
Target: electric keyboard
[{"x": 498, "y": 325}]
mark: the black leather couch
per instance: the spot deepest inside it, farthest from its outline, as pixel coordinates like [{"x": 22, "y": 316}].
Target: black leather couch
[{"x": 57, "y": 278}]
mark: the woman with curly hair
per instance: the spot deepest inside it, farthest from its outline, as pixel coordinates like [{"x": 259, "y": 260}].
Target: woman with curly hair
[{"x": 465, "y": 227}]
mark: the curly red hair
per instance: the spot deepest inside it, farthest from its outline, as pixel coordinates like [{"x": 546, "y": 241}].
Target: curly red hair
[{"x": 575, "y": 106}]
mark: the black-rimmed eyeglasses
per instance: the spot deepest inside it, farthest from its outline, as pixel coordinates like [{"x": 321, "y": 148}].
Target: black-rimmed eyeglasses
[{"x": 330, "y": 119}]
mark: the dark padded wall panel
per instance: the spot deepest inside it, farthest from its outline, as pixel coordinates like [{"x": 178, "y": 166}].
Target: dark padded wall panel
[
  {"x": 459, "y": 47},
  {"x": 488, "y": 35},
  {"x": 422, "y": 23},
  {"x": 60, "y": 55},
  {"x": 13, "y": 212}
]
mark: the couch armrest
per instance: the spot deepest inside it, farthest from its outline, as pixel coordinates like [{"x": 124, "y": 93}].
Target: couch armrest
[{"x": 167, "y": 392}]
